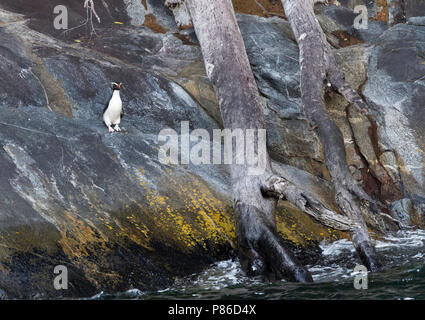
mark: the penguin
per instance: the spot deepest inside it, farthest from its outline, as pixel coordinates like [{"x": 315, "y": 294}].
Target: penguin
[{"x": 113, "y": 111}]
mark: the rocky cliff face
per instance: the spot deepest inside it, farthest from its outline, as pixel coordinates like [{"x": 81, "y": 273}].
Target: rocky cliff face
[{"x": 104, "y": 206}]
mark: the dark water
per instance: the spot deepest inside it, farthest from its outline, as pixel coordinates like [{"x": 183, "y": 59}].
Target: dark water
[{"x": 403, "y": 278}]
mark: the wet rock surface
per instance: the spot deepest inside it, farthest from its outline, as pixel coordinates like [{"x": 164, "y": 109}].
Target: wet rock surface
[{"x": 104, "y": 206}]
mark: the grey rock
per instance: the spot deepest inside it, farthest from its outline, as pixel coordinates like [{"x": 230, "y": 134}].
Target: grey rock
[
  {"x": 273, "y": 55},
  {"x": 419, "y": 21},
  {"x": 76, "y": 195},
  {"x": 395, "y": 91},
  {"x": 414, "y": 8},
  {"x": 163, "y": 15},
  {"x": 136, "y": 12},
  {"x": 102, "y": 203},
  {"x": 374, "y": 30},
  {"x": 410, "y": 210},
  {"x": 334, "y": 19},
  {"x": 16, "y": 67},
  {"x": 402, "y": 209}
]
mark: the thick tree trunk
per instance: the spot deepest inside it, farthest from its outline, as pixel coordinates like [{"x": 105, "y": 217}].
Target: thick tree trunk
[
  {"x": 261, "y": 250},
  {"x": 319, "y": 70}
]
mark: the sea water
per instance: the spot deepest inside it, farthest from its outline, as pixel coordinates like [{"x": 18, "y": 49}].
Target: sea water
[{"x": 403, "y": 277}]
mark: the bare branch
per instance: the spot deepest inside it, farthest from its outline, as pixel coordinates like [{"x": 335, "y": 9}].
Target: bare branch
[
  {"x": 344, "y": 88},
  {"x": 400, "y": 224},
  {"x": 90, "y": 4},
  {"x": 90, "y": 11},
  {"x": 279, "y": 187}
]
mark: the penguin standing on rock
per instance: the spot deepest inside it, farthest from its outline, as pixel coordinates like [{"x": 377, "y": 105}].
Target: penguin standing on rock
[{"x": 113, "y": 111}]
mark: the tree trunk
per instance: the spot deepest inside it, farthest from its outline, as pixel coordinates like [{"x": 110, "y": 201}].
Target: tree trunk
[
  {"x": 319, "y": 70},
  {"x": 261, "y": 250}
]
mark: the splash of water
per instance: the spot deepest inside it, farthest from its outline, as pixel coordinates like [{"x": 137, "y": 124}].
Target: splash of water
[{"x": 403, "y": 254}]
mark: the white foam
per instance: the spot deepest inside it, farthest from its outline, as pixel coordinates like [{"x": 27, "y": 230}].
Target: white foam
[
  {"x": 337, "y": 265},
  {"x": 403, "y": 239},
  {"x": 336, "y": 248}
]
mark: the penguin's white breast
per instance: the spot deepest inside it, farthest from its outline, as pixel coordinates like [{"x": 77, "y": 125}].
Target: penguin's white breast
[{"x": 114, "y": 108}]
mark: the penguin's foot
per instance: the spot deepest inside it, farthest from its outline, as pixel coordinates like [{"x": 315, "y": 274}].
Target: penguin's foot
[
  {"x": 117, "y": 128},
  {"x": 111, "y": 129}
]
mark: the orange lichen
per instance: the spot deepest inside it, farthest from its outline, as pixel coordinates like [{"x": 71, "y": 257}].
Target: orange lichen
[
  {"x": 382, "y": 15},
  {"x": 150, "y": 22},
  {"x": 251, "y": 7}
]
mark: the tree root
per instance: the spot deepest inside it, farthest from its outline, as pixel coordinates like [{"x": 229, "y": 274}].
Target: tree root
[
  {"x": 261, "y": 250},
  {"x": 279, "y": 187},
  {"x": 318, "y": 69},
  {"x": 341, "y": 86}
]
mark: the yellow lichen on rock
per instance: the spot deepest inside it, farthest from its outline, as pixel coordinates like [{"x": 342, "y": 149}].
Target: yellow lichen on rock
[
  {"x": 300, "y": 229},
  {"x": 187, "y": 213}
]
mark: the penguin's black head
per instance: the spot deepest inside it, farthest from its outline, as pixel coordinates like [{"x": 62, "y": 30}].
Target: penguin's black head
[{"x": 116, "y": 86}]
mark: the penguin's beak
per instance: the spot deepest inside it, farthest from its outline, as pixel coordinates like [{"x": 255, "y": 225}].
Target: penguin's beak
[{"x": 119, "y": 85}]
